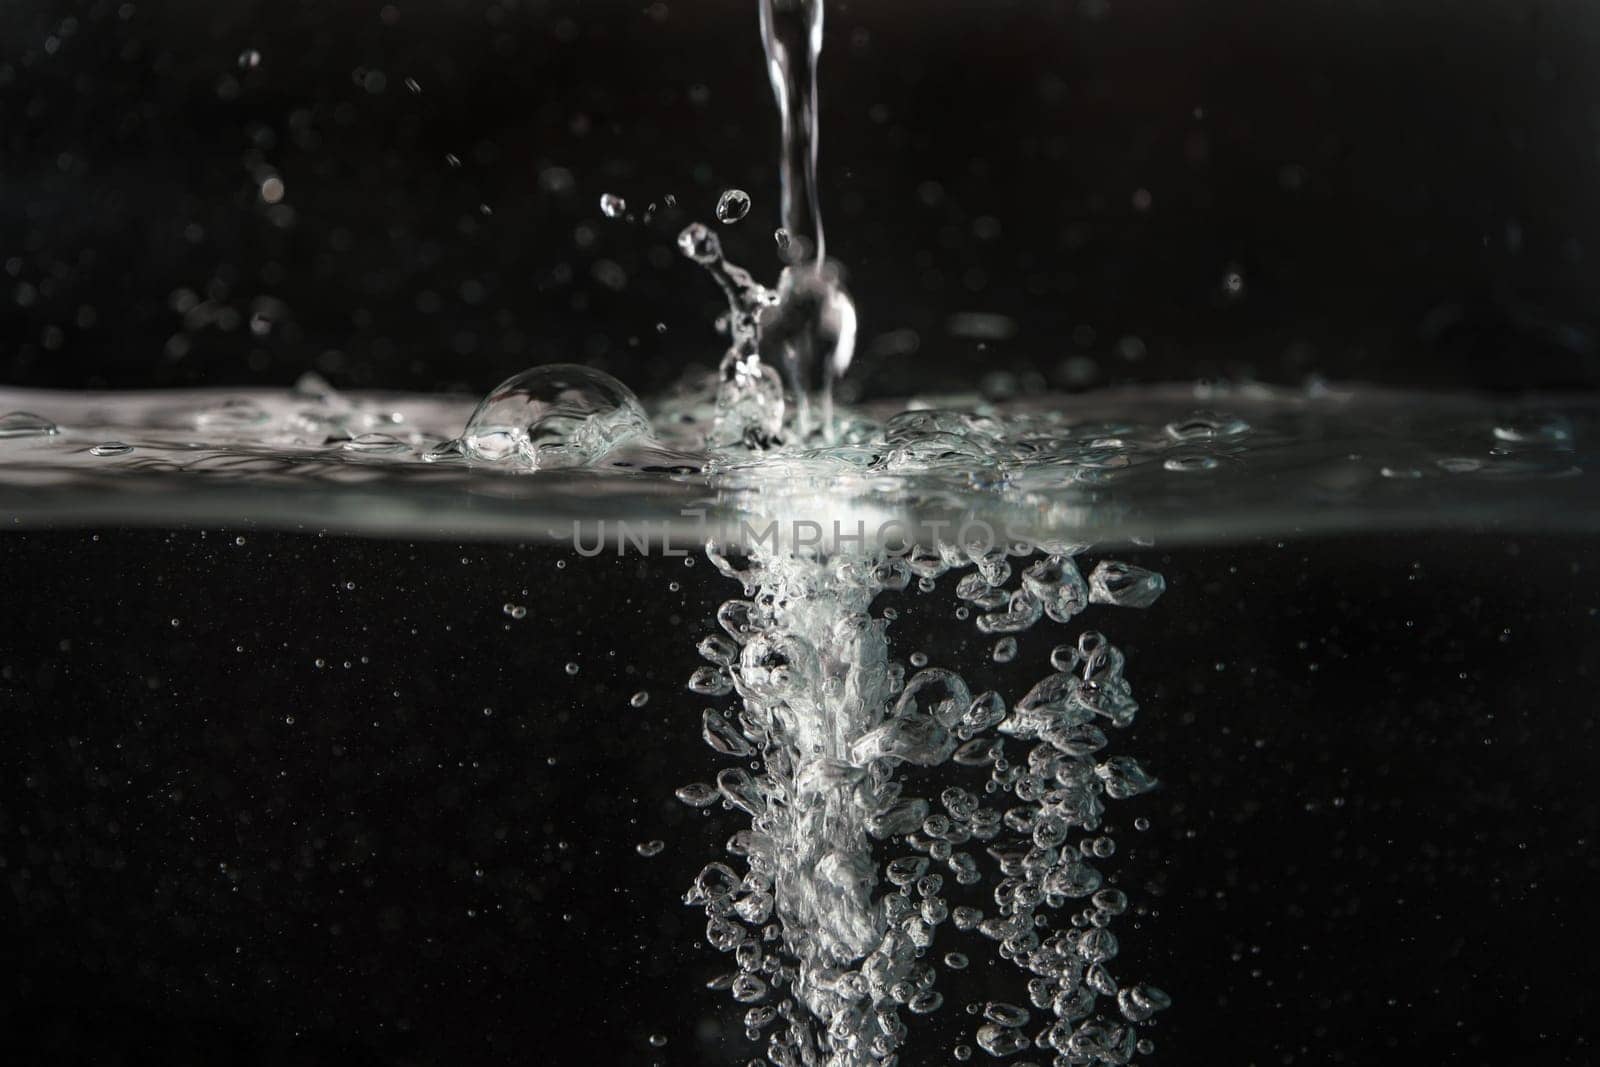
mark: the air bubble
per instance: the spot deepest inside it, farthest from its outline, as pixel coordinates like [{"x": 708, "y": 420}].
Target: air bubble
[
  {"x": 26, "y": 424},
  {"x": 1125, "y": 585},
  {"x": 612, "y": 206},
  {"x": 697, "y": 794},
  {"x": 554, "y": 416}
]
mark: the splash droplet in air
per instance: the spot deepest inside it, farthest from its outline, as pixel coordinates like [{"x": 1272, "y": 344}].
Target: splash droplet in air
[{"x": 733, "y": 205}]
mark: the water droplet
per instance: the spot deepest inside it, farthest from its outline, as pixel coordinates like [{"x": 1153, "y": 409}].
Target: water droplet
[
  {"x": 516, "y": 611},
  {"x": 732, "y": 205},
  {"x": 249, "y": 59},
  {"x": 639, "y": 699},
  {"x": 612, "y": 206},
  {"x": 572, "y": 668},
  {"x": 650, "y": 848},
  {"x": 658, "y": 1040},
  {"x": 413, "y": 85},
  {"x": 111, "y": 448},
  {"x": 699, "y": 244}
]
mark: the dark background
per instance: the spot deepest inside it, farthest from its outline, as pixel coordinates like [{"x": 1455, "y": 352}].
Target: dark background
[
  {"x": 1404, "y": 189},
  {"x": 1375, "y": 841}
]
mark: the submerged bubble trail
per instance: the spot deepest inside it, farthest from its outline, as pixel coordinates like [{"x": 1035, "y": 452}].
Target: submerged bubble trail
[{"x": 832, "y": 923}]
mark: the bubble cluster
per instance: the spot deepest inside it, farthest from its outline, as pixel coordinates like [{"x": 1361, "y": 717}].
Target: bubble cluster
[{"x": 846, "y": 878}]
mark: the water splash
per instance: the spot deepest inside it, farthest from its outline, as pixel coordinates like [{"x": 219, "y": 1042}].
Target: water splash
[
  {"x": 791, "y": 35},
  {"x": 807, "y": 325}
]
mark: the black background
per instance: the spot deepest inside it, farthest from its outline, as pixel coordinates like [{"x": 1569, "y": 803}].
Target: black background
[
  {"x": 1374, "y": 844},
  {"x": 1405, "y": 188}
]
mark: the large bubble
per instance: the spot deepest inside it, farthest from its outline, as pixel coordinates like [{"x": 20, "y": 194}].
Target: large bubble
[{"x": 554, "y": 416}]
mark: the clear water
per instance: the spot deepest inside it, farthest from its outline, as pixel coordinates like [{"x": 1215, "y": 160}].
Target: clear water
[
  {"x": 890, "y": 805},
  {"x": 1167, "y": 465},
  {"x": 886, "y": 806}
]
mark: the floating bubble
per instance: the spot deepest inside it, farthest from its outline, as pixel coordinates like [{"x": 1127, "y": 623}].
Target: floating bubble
[
  {"x": 376, "y": 444},
  {"x": 648, "y": 849},
  {"x": 555, "y": 416},
  {"x": 612, "y": 206},
  {"x": 1205, "y": 426},
  {"x": 26, "y": 424},
  {"x": 1191, "y": 463}
]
